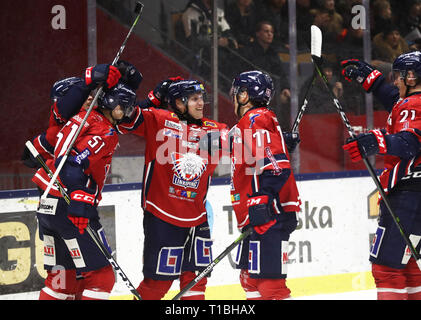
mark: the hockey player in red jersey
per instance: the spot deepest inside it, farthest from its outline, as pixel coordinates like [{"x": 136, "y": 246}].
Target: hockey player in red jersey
[
  {"x": 179, "y": 163},
  {"x": 395, "y": 271},
  {"x": 264, "y": 194},
  {"x": 68, "y": 249},
  {"x": 80, "y": 93}
]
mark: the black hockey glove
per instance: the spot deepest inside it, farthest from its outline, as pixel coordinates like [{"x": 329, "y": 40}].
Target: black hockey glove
[
  {"x": 129, "y": 74},
  {"x": 362, "y": 72},
  {"x": 292, "y": 139},
  {"x": 158, "y": 96},
  {"x": 366, "y": 144},
  {"x": 260, "y": 212},
  {"x": 29, "y": 160}
]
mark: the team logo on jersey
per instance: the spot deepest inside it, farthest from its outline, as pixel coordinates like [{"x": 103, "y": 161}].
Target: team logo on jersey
[
  {"x": 210, "y": 124},
  {"x": 172, "y": 133},
  {"x": 111, "y": 131},
  {"x": 252, "y": 118},
  {"x": 173, "y": 125},
  {"x": 188, "y": 168}
]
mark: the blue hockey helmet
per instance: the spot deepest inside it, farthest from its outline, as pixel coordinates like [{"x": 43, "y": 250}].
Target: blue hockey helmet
[
  {"x": 406, "y": 62},
  {"x": 183, "y": 89},
  {"x": 121, "y": 94},
  {"x": 259, "y": 86},
  {"x": 61, "y": 87}
]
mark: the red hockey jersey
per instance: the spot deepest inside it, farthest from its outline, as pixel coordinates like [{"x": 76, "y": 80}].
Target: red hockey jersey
[
  {"x": 96, "y": 141},
  {"x": 177, "y": 173},
  {"x": 405, "y": 116},
  {"x": 258, "y": 146}
]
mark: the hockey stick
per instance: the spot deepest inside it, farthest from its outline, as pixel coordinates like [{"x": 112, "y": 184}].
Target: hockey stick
[
  {"x": 316, "y": 50},
  {"x": 91, "y": 232},
  {"x": 415, "y": 254},
  {"x": 138, "y": 11},
  {"x": 210, "y": 266}
]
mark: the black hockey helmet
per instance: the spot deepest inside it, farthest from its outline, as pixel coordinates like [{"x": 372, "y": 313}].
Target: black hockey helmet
[
  {"x": 120, "y": 94},
  {"x": 61, "y": 87}
]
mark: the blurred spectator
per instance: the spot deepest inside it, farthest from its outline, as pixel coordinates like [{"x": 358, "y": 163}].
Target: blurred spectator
[
  {"x": 321, "y": 18},
  {"x": 241, "y": 16},
  {"x": 415, "y": 45},
  {"x": 275, "y": 11},
  {"x": 344, "y": 8},
  {"x": 320, "y": 100},
  {"x": 388, "y": 45},
  {"x": 351, "y": 46},
  {"x": 382, "y": 15},
  {"x": 304, "y": 22},
  {"x": 410, "y": 20},
  {"x": 262, "y": 55},
  {"x": 335, "y": 24},
  {"x": 197, "y": 23}
]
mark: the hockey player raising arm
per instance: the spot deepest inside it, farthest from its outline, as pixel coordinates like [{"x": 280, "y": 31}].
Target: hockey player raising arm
[
  {"x": 179, "y": 163},
  {"x": 264, "y": 194},
  {"x": 69, "y": 250},
  {"x": 80, "y": 92},
  {"x": 396, "y": 274}
]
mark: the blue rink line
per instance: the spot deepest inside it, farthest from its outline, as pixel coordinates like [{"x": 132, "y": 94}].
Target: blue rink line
[{"x": 25, "y": 193}]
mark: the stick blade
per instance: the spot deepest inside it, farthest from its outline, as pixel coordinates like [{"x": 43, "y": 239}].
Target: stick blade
[{"x": 316, "y": 41}]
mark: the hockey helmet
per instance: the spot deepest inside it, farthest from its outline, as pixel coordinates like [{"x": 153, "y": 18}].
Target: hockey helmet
[
  {"x": 120, "y": 94},
  {"x": 61, "y": 87},
  {"x": 259, "y": 86},
  {"x": 183, "y": 89},
  {"x": 406, "y": 62}
]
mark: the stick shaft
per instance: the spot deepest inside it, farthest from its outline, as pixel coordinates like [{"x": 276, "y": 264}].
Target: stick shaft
[
  {"x": 93, "y": 103},
  {"x": 369, "y": 167},
  {"x": 210, "y": 266},
  {"x": 91, "y": 232}
]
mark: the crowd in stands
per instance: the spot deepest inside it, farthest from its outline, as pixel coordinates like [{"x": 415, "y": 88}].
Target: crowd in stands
[{"x": 254, "y": 34}]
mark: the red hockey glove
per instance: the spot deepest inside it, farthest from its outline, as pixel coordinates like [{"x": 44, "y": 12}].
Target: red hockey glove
[
  {"x": 102, "y": 73},
  {"x": 158, "y": 95},
  {"x": 362, "y": 72},
  {"x": 80, "y": 208},
  {"x": 260, "y": 214},
  {"x": 80, "y": 222},
  {"x": 366, "y": 144}
]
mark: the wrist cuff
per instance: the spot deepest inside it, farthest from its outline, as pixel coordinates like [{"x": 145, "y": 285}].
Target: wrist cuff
[
  {"x": 371, "y": 78},
  {"x": 381, "y": 141},
  {"x": 153, "y": 98}
]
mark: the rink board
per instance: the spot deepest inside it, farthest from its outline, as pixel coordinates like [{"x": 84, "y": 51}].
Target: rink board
[{"x": 328, "y": 252}]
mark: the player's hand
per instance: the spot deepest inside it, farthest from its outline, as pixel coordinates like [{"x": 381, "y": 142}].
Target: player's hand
[
  {"x": 29, "y": 160},
  {"x": 102, "y": 74},
  {"x": 292, "y": 139},
  {"x": 362, "y": 72},
  {"x": 129, "y": 74},
  {"x": 158, "y": 96},
  {"x": 366, "y": 144},
  {"x": 81, "y": 207},
  {"x": 80, "y": 222},
  {"x": 260, "y": 214}
]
